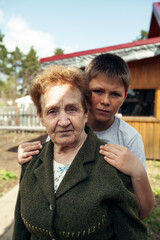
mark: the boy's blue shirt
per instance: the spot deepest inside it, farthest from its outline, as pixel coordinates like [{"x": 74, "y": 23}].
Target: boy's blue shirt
[{"x": 123, "y": 134}]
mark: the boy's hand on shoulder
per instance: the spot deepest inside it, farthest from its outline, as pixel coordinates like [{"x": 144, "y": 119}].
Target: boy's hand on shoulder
[
  {"x": 122, "y": 158},
  {"x": 27, "y": 150}
]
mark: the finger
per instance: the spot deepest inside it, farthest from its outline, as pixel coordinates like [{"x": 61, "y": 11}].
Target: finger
[
  {"x": 32, "y": 148},
  {"x": 111, "y": 161},
  {"x": 27, "y": 144},
  {"x": 111, "y": 149},
  {"x": 22, "y": 161},
  {"x": 107, "y": 154},
  {"x": 28, "y": 154},
  {"x": 114, "y": 146}
]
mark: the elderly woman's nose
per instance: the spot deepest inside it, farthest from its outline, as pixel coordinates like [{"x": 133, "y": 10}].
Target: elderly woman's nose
[{"x": 63, "y": 119}]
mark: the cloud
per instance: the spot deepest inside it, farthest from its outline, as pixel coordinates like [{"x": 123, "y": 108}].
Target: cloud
[{"x": 20, "y": 34}]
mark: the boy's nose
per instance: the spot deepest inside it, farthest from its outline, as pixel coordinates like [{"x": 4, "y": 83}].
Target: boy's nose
[
  {"x": 105, "y": 100},
  {"x": 64, "y": 120}
]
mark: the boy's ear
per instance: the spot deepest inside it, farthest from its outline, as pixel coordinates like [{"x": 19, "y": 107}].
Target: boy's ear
[
  {"x": 124, "y": 99},
  {"x": 125, "y": 96}
]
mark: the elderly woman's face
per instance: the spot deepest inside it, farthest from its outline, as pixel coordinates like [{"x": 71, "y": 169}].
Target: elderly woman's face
[{"x": 63, "y": 115}]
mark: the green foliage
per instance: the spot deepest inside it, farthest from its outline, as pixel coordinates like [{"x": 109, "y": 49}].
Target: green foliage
[
  {"x": 143, "y": 35},
  {"x": 156, "y": 192},
  {"x": 6, "y": 175},
  {"x": 157, "y": 177},
  {"x": 10, "y": 90},
  {"x": 157, "y": 164},
  {"x": 58, "y": 51},
  {"x": 153, "y": 223},
  {"x": 30, "y": 68},
  {"x": 16, "y": 58},
  {"x": 20, "y": 68},
  {"x": 4, "y": 61}
]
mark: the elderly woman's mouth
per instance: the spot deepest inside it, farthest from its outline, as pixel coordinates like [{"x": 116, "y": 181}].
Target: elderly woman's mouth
[{"x": 64, "y": 131}]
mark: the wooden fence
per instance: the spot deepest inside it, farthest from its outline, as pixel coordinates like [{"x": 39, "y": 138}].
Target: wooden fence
[{"x": 23, "y": 116}]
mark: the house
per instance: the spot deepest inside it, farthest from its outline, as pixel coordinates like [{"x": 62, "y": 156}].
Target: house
[
  {"x": 142, "y": 106},
  {"x": 24, "y": 101}
]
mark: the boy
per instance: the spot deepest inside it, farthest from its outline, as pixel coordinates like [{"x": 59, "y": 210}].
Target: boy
[{"x": 109, "y": 80}]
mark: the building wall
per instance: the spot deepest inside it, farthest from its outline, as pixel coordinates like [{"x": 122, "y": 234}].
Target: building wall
[{"x": 146, "y": 75}]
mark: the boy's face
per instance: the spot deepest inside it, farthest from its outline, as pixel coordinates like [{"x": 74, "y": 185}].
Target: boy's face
[{"x": 107, "y": 97}]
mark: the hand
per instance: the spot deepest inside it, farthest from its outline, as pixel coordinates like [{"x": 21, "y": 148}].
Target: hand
[
  {"x": 123, "y": 159},
  {"x": 27, "y": 150}
]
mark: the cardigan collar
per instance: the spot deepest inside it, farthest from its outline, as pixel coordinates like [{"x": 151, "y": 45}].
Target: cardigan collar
[{"x": 76, "y": 172}]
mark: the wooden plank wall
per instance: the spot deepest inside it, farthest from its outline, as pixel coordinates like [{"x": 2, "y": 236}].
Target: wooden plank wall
[
  {"x": 145, "y": 74},
  {"x": 149, "y": 128}
]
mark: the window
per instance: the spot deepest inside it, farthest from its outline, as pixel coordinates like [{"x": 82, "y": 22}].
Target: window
[{"x": 139, "y": 102}]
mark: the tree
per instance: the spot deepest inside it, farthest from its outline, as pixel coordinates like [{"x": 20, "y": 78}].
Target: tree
[
  {"x": 16, "y": 58},
  {"x": 143, "y": 35},
  {"x": 4, "y": 60},
  {"x": 10, "y": 88},
  {"x": 20, "y": 69},
  {"x": 30, "y": 68},
  {"x": 58, "y": 51}
]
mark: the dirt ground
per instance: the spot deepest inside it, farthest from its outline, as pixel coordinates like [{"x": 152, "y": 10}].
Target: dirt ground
[{"x": 9, "y": 142}]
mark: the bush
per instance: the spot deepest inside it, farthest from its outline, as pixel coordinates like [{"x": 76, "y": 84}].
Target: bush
[{"x": 6, "y": 175}]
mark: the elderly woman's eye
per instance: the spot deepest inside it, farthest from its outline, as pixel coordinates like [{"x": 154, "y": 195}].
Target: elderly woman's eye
[
  {"x": 71, "y": 109},
  {"x": 53, "y": 111}
]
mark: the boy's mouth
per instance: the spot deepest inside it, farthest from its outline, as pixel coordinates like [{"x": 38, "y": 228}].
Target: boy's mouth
[{"x": 102, "y": 110}]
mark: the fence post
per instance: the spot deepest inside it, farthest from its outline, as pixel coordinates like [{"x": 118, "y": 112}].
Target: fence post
[{"x": 17, "y": 115}]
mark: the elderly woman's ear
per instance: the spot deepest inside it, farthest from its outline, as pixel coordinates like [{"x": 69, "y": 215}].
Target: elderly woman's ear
[
  {"x": 41, "y": 119},
  {"x": 86, "y": 115}
]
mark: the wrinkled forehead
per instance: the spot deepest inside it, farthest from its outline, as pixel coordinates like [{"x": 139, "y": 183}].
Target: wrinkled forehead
[{"x": 61, "y": 94}]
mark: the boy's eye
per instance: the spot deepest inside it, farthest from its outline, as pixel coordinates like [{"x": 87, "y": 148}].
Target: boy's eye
[
  {"x": 115, "y": 94},
  {"x": 97, "y": 91}
]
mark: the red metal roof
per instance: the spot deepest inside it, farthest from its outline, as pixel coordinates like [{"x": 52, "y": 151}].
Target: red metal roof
[
  {"x": 154, "y": 30},
  {"x": 100, "y": 50}
]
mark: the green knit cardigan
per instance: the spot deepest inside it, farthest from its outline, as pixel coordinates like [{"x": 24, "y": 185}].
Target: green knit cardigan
[{"x": 93, "y": 202}]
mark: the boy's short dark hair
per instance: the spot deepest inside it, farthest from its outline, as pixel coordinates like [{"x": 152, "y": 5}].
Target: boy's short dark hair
[{"x": 111, "y": 65}]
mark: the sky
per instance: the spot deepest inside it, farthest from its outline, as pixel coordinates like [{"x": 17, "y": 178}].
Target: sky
[{"x": 73, "y": 25}]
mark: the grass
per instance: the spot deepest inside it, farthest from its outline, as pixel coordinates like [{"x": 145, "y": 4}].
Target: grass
[
  {"x": 153, "y": 220},
  {"x": 157, "y": 177}
]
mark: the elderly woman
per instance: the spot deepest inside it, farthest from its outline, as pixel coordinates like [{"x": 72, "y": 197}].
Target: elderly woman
[{"x": 68, "y": 191}]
